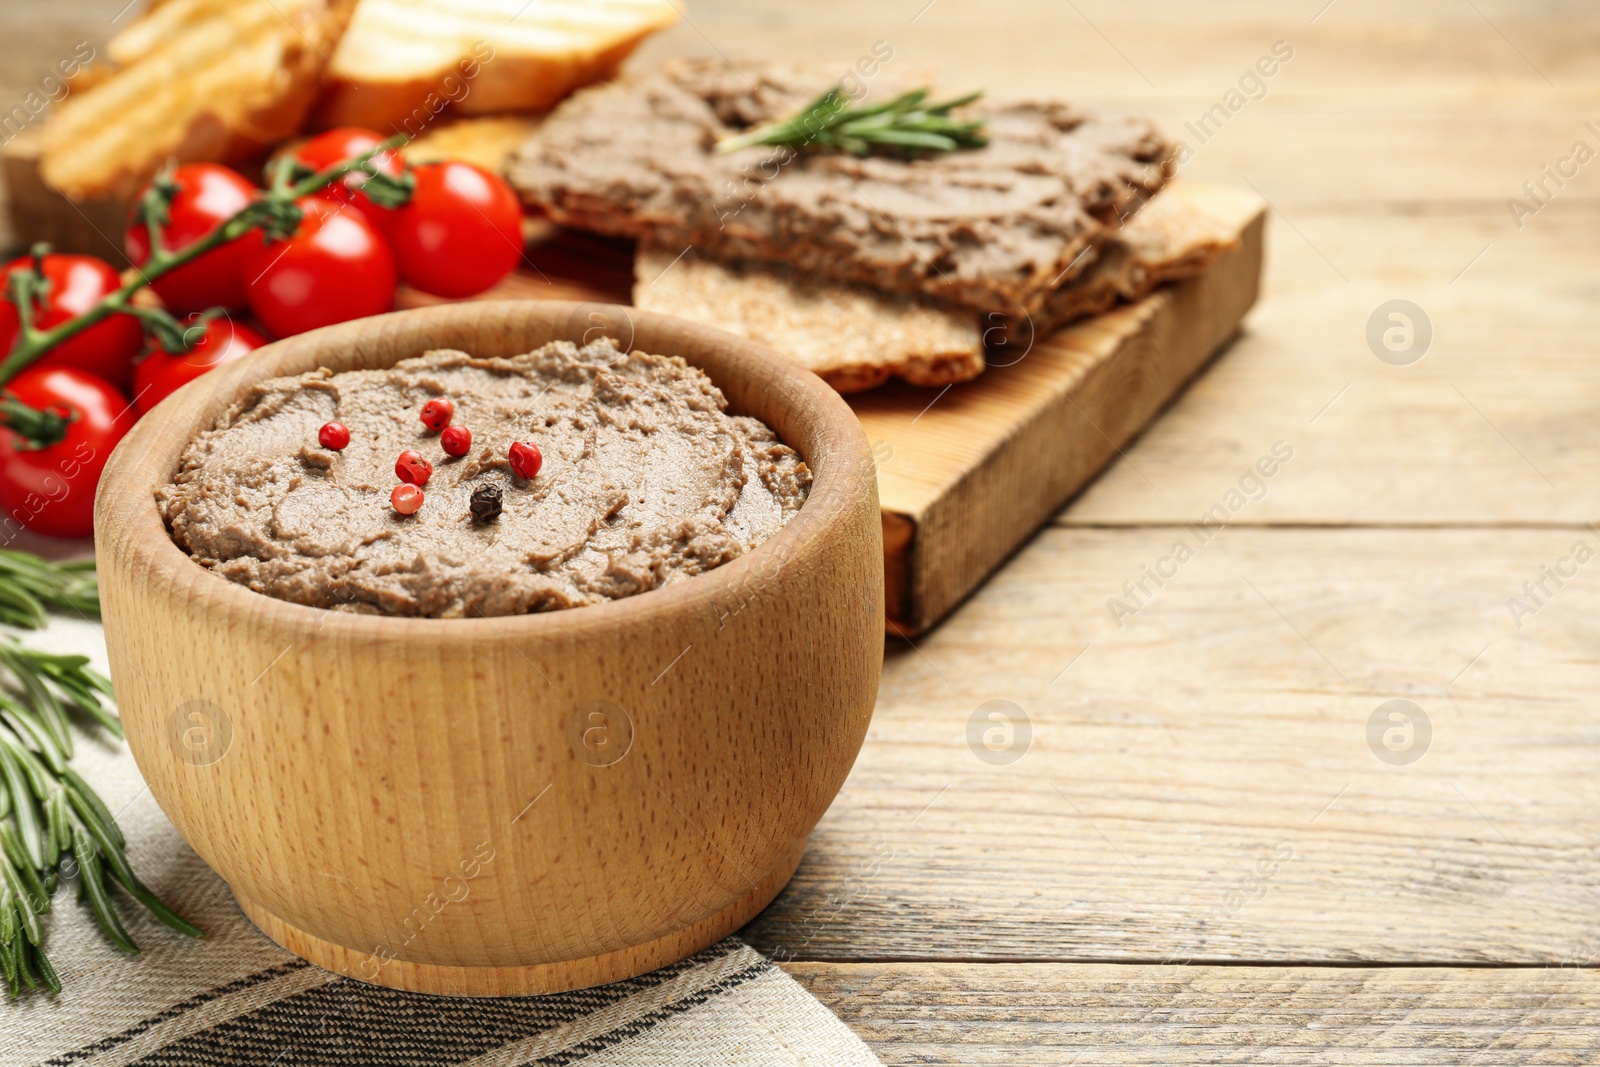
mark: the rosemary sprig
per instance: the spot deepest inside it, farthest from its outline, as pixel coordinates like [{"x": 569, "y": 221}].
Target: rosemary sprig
[
  {"x": 905, "y": 123},
  {"x": 29, "y": 586},
  {"x": 53, "y": 826}
]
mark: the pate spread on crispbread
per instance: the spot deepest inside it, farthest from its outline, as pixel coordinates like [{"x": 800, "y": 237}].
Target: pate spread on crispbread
[
  {"x": 856, "y": 337},
  {"x": 994, "y": 229}
]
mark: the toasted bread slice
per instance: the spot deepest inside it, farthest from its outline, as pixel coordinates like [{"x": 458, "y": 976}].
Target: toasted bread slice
[
  {"x": 400, "y": 58},
  {"x": 854, "y": 337},
  {"x": 158, "y": 23},
  {"x": 216, "y": 80}
]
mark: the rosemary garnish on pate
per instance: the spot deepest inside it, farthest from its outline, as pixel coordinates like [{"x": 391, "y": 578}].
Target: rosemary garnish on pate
[
  {"x": 53, "y": 825},
  {"x": 904, "y": 123}
]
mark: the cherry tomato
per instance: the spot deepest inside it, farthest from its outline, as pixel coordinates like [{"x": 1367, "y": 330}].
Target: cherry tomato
[
  {"x": 461, "y": 232},
  {"x": 76, "y": 284},
  {"x": 161, "y": 373},
  {"x": 51, "y": 489},
  {"x": 334, "y": 268},
  {"x": 208, "y": 195},
  {"x": 347, "y": 142}
]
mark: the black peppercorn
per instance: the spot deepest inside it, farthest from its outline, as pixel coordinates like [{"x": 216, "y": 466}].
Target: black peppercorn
[{"x": 485, "y": 504}]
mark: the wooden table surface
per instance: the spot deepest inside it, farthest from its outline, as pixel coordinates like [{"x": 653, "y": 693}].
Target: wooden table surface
[{"x": 1200, "y": 858}]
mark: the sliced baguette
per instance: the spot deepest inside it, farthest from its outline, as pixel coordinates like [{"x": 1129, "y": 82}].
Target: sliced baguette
[
  {"x": 479, "y": 56},
  {"x": 215, "y": 80}
]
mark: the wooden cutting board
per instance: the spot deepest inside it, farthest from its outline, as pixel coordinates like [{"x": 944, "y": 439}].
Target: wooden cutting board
[
  {"x": 965, "y": 477},
  {"x": 967, "y": 473}
]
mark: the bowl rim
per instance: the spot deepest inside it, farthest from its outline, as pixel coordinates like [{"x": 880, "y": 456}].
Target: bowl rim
[{"x": 146, "y": 458}]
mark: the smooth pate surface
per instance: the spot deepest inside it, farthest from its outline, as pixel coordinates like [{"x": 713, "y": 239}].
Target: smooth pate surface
[{"x": 646, "y": 480}]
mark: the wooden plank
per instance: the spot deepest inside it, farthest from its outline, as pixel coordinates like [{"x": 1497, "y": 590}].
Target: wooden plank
[
  {"x": 1175, "y": 759},
  {"x": 1497, "y": 423},
  {"x": 1436, "y": 103},
  {"x": 1375, "y": 443},
  {"x": 965, "y": 475},
  {"x": 1148, "y": 47},
  {"x": 1164, "y": 1016}
]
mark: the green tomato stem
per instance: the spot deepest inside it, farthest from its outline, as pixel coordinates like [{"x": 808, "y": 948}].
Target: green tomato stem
[{"x": 40, "y": 429}]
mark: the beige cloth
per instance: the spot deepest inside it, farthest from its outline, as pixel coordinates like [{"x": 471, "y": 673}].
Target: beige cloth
[{"x": 237, "y": 999}]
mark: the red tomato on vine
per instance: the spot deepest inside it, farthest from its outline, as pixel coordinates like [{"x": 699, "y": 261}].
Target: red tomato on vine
[
  {"x": 77, "y": 284},
  {"x": 336, "y": 267},
  {"x": 48, "y": 485},
  {"x": 334, "y": 147},
  {"x": 461, "y": 232},
  {"x": 208, "y": 195},
  {"x": 162, "y": 373}
]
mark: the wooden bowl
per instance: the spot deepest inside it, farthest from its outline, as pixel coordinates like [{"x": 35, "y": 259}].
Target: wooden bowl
[{"x": 512, "y": 805}]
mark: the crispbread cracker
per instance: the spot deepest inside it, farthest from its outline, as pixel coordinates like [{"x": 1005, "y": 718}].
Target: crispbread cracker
[
  {"x": 1177, "y": 233},
  {"x": 856, "y": 338},
  {"x": 221, "y": 81},
  {"x": 852, "y": 336},
  {"x": 1173, "y": 236}
]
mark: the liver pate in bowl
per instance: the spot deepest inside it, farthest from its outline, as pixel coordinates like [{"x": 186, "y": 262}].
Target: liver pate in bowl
[
  {"x": 497, "y": 754},
  {"x": 643, "y": 479}
]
